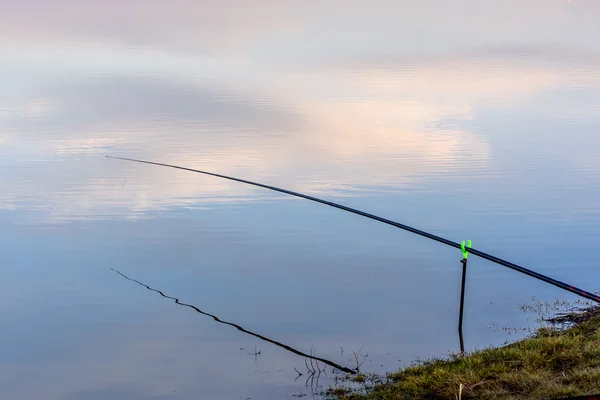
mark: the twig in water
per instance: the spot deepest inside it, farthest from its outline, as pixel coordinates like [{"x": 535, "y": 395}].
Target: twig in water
[
  {"x": 255, "y": 354},
  {"x": 312, "y": 353},
  {"x": 358, "y": 362},
  {"x": 307, "y": 367}
]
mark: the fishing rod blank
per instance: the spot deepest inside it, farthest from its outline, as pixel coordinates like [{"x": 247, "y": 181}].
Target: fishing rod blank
[{"x": 447, "y": 242}]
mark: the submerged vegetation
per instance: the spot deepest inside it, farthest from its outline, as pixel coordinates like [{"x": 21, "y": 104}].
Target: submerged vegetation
[{"x": 560, "y": 360}]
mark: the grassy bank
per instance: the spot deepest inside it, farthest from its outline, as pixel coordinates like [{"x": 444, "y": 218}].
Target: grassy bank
[{"x": 553, "y": 363}]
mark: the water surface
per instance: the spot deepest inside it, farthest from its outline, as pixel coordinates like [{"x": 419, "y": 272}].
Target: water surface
[{"x": 469, "y": 119}]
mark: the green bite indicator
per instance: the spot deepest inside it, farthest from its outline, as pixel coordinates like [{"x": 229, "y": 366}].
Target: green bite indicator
[{"x": 465, "y": 251}]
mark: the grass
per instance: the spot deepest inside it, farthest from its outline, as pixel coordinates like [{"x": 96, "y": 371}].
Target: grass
[{"x": 552, "y": 364}]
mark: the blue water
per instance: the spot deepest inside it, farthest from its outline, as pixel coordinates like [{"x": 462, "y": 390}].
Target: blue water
[{"x": 467, "y": 120}]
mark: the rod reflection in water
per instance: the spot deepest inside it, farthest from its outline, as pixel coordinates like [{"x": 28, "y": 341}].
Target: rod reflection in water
[{"x": 241, "y": 329}]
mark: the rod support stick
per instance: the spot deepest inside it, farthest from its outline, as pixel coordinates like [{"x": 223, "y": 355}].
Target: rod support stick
[{"x": 462, "y": 294}]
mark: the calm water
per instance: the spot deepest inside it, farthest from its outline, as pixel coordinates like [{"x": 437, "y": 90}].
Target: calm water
[{"x": 471, "y": 119}]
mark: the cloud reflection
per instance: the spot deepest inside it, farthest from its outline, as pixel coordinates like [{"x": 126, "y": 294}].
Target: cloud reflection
[
  {"x": 286, "y": 100},
  {"x": 400, "y": 130},
  {"x": 199, "y": 128}
]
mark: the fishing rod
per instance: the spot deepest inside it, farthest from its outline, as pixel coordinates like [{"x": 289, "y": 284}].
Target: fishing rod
[
  {"x": 489, "y": 257},
  {"x": 241, "y": 329}
]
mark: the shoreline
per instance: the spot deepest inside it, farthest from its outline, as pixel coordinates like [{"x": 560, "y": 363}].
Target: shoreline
[{"x": 560, "y": 361}]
